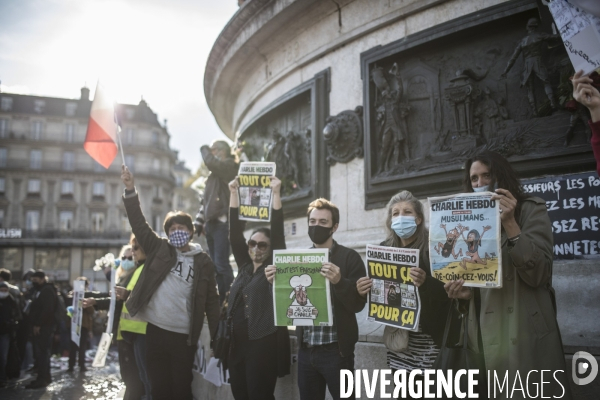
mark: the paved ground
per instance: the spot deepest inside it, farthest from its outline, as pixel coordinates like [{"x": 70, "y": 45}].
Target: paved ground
[{"x": 97, "y": 383}]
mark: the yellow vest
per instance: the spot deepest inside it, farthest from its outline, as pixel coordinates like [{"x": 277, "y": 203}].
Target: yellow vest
[{"x": 127, "y": 322}]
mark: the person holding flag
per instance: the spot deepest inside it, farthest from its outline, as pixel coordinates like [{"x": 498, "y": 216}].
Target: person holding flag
[{"x": 173, "y": 292}]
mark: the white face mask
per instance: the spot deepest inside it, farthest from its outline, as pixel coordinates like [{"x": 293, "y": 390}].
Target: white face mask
[{"x": 3, "y": 295}]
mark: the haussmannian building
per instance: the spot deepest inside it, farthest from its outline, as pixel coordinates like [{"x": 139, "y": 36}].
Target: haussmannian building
[{"x": 59, "y": 209}]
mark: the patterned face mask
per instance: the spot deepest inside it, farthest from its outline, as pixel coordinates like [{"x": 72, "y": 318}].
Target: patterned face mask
[{"x": 179, "y": 238}]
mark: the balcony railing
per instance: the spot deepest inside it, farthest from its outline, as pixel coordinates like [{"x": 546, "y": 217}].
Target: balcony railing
[{"x": 74, "y": 234}]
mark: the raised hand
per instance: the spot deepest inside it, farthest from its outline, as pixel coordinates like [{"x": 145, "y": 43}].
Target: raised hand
[{"x": 127, "y": 178}]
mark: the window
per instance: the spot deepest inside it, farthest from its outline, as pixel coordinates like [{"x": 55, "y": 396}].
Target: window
[
  {"x": 11, "y": 258},
  {"x": 129, "y": 136},
  {"x": 130, "y": 162},
  {"x": 1, "y": 218},
  {"x": 69, "y": 133},
  {"x": 129, "y": 113},
  {"x": 158, "y": 227},
  {"x": 70, "y": 109},
  {"x": 6, "y": 103},
  {"x": 33, "y": 186},
  {"x": 98, "y": 188},
  {"x": 66, "y": 221},
  {"x": 32, "y": 220},
  {"x": 38, "y": 106},
  {"x": 68, "y": 161},
  {"x": 98, "y": 167},
  {"x": 36, "y": 130},
  {"x": 125, "y": 227},
  {"x": 154, "y": 137},
  {"x": 156, "y": 164},
  {"x": 66, "y": 188},
  {"x": 97, "y": 222},
  {"x": 3, "y": 154},
  {"x": 35, "y": 159},
  {"x": 2, "y": 183},
  {"x": 3, "y": 127},
  {"x": 52, "y": 258}
]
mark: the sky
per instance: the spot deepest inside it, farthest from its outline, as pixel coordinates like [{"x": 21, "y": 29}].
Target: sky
[{"x": 150, "y": 49}]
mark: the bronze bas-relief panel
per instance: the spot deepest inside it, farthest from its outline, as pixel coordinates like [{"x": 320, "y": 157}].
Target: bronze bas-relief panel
[
  {"x": 493, "y": 80},
  {"x": 289, "y": 133}
]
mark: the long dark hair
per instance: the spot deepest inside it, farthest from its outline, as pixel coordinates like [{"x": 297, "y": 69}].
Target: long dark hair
[{"x": 501, "y": 173}]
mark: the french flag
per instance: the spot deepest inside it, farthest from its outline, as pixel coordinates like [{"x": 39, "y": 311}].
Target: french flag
[{"x": 101, "y": 139}]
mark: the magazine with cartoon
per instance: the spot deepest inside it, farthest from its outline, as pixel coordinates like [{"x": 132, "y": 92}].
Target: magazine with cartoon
[
  {"x": 464, "y": 239},
  {"x": 255, "y": 193},
  {"x": 301, "y": 295},
  {"x": 394, "y": 299}
]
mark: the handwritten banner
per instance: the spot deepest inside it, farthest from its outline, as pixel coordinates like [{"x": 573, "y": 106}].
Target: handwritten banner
[{"x": 573, "y": 203}]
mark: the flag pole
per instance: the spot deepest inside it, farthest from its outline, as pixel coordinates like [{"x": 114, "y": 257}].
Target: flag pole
[{"x": 119, "y": 136}]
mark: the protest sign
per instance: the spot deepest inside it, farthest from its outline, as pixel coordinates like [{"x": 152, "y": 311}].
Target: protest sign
[
  {"x": 573, "y": 204},
  {"x": 394, "y": 299},
  {"x": 255, "y": 193},
  {"x": 464, "y": 239},
  {"x": 78, "y": 293},
  {"x": 300, "y": 293},
  {"x": 580, "y": 32},
  {"x": 106, "y": 339}
]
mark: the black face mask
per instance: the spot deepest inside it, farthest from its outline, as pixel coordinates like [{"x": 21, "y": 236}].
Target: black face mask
[
  {"x": 37, "y": 285},
  {"x": 319, "y": 234}
]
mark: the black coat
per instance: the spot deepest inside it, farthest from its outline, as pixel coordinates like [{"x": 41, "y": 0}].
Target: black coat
[
  {"x": 43, "y": 306},
  {"x": 216, "y": 190},
  {"x": 258, "y": 293},
  {"x": 346, "y": 300}
]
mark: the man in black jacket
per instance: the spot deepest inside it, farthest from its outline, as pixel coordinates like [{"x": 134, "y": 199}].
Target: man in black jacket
[
  {"x": 325, "y": 350},
  {"x": 212, "y": 218},
  {"x": 42, "y": 319}
]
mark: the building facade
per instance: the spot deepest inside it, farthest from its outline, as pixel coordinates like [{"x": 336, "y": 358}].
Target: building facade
[{"x": 59, "y": 209}]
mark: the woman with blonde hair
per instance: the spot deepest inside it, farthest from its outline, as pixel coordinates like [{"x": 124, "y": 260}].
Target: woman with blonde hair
[{"x": 405, "y": 227}]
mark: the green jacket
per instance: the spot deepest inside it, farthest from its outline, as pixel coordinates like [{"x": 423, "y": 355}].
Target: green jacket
[
  {"x": 161, "y": 257},
  {"x": 518, "y": 321}
]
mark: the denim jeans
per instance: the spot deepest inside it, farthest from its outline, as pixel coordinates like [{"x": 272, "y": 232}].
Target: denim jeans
[
  {"x": 320, "y": 366},
  {"x": 217, "y": 237},
  {"x": 4, "y": 345},
  {"x": 139, "y": 349}
]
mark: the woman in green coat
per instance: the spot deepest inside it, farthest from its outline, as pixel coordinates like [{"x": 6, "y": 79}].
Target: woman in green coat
[{"x": 515, "y": 327}]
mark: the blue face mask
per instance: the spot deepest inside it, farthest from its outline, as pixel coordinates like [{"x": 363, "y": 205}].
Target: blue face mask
[
  {"x": 127, "y": 264},
  {"x": 404, "y": 225},
  {"x": 485, "y": 188}
]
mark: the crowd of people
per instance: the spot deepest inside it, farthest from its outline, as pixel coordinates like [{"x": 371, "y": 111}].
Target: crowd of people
[{"x": 166, "y": 287}]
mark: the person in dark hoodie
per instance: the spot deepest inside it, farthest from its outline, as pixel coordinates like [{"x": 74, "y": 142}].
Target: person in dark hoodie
[
  {"x": 259, "y": 351},
  {"x": 212, "y": 218},
  {"x": 174, "y": 291},
  {"x": 45, "y": 300},
  {"x": 9, "y": 317}
]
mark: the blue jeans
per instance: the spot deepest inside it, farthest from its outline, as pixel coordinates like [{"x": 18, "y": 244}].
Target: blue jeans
[
  {"x": 320, "y": 366},
  {"x": 139, "y": 350},
  {"x": 4, "y": 345},
  {"x": 217, "y": 237}
]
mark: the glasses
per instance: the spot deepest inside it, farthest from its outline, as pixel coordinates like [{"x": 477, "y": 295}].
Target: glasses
[
  {"x": 130, "y": 258},
  {"x": 261, "y": 245}
]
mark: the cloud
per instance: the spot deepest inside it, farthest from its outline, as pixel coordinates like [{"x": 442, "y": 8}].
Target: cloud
[{"x": 151, "y": 48}]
